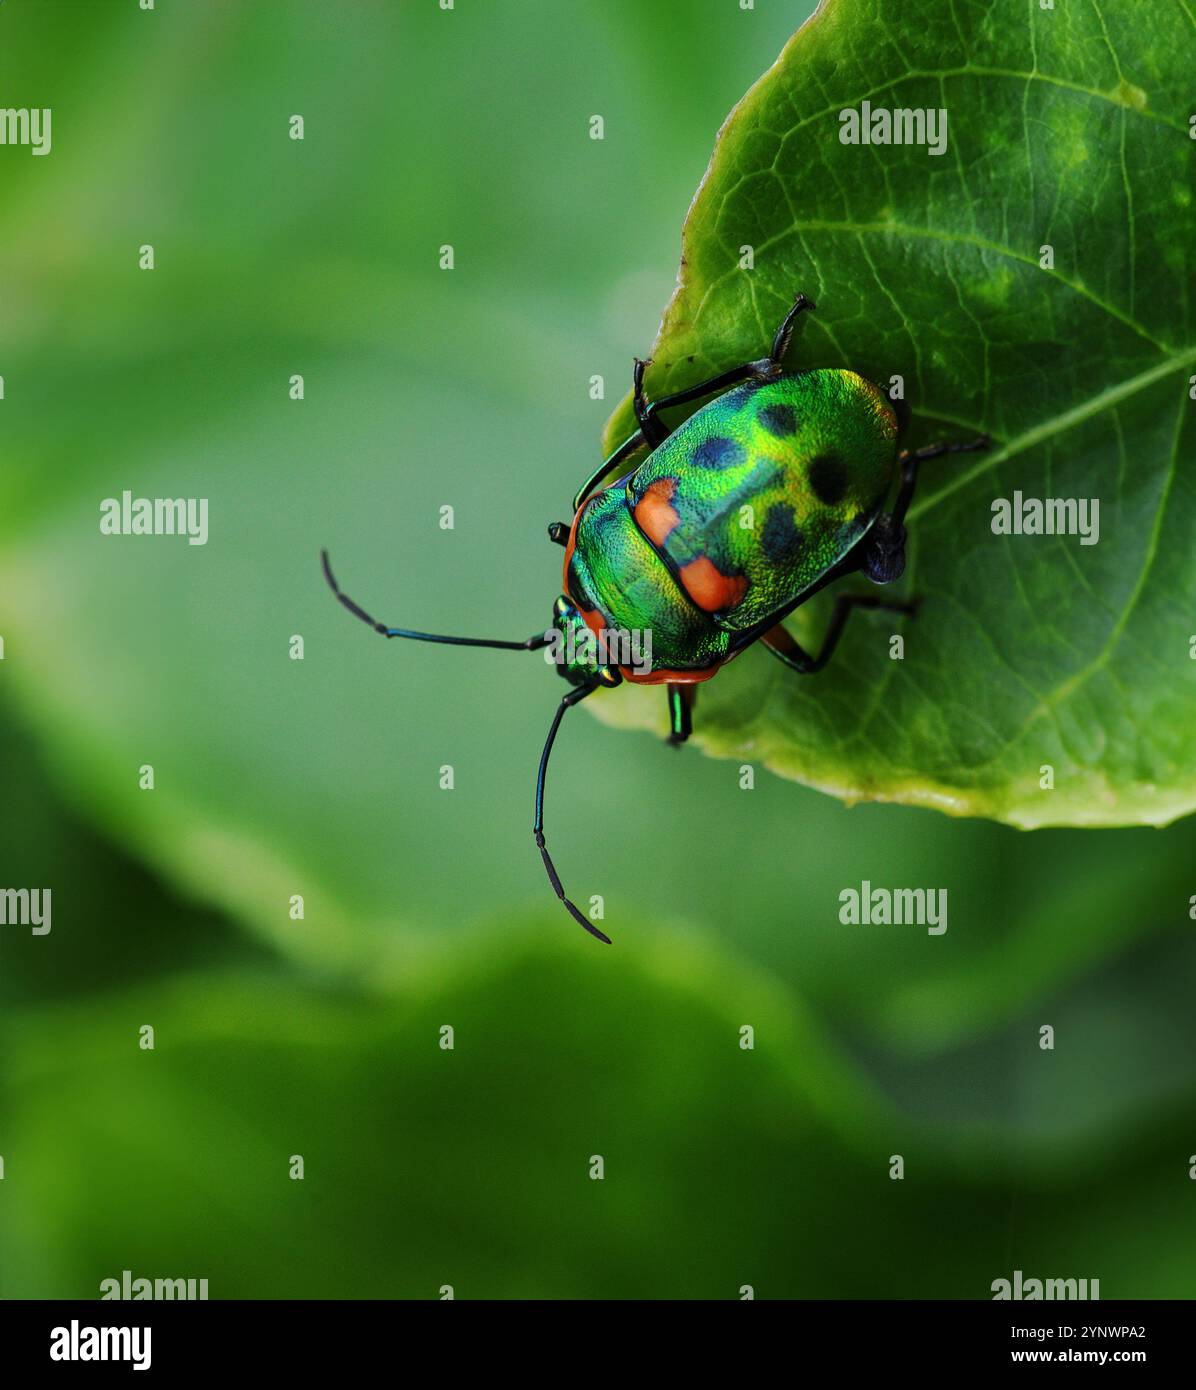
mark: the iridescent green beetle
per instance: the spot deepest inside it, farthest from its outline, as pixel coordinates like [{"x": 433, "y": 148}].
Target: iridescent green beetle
[{"x": 771, "y": 491}]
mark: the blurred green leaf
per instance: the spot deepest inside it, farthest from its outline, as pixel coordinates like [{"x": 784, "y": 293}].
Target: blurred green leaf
[
  {"x": 112, "y": 923},
  {"x": 723, "y": 1166},
  {"x": 1067, "y": 127}
]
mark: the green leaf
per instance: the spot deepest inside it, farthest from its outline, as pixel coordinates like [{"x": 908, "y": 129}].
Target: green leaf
[
  {"x": 110, "y": 922},
  {"x": 1067, "y": 128},
  {"x": 723, "y": 1165}
]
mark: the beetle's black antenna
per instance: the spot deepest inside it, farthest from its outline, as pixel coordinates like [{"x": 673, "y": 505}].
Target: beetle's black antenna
[
  {"x": 533, "y": 643},
  {"x": 574, "y": 697}
]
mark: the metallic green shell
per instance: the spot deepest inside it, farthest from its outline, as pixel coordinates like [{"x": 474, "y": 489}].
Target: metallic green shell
[
  {"x": 614, "y": 571},
  {"x": 772, "y": 483}
]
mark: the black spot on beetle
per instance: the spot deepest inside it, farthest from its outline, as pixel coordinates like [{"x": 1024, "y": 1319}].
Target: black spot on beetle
[
  {"x": 717, "y": 452},
  {"x": 828, "y": 478},
  {"x": 779, "y": 536},
  {"x": 779, "y": 420}
]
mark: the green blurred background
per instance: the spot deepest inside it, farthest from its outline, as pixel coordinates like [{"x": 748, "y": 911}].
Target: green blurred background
[{"x": 724, "y": 1167}]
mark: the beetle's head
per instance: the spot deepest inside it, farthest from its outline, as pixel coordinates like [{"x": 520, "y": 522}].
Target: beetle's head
[{"x": 574, "y": 648}]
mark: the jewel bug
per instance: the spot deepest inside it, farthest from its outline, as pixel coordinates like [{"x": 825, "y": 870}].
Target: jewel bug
[{"x": 772, "y": 490}]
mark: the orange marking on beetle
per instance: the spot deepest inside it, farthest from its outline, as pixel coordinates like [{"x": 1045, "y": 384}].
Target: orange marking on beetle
[
  {"x": 593, "y": 619},
  {"x": 663, "y": 677},
  {"x": 596, "y": 621},
  {"x": 710, "y": 589},
  {"x": 654, "y": 512},
  {"x": 571, "y": 543}
]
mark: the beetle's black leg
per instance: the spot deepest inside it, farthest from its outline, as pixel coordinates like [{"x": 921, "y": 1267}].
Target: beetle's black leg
[
  {"x": 909, "y": 462},
  {"x": 558, "y": 532},
  {"x": 882, "y": 551},
  {"x": 765, "y": 367},
  {"x": 785, "y": 647},
  {"x": 780, "y": 342},
  {"x": 732, "y": 377},
  {"x": 653, "y": 429},
  {"x": 681, "y": 704},
  {"x": 573, "y": 698},
  {"x": 608, "y": 465},
  {"x": 638, "y": 440}
]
